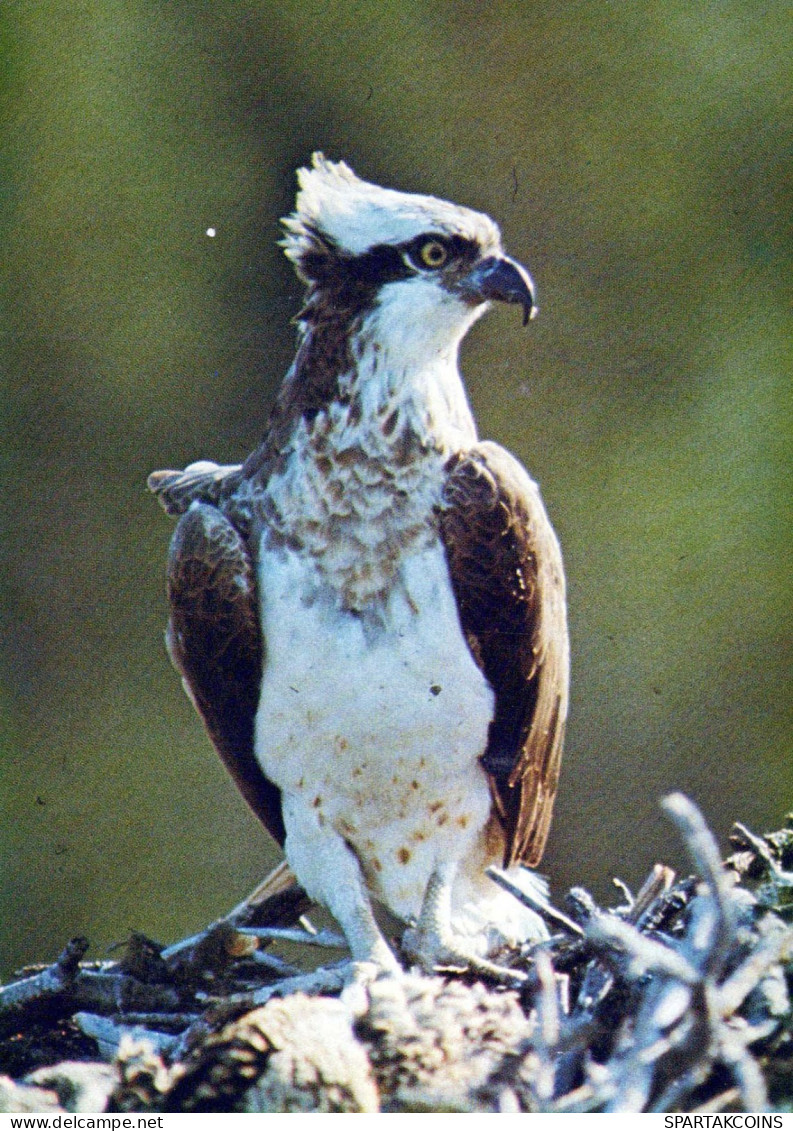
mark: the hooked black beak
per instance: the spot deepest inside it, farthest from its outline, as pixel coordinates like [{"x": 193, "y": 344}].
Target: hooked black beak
[{"x": 502, "y": 279}]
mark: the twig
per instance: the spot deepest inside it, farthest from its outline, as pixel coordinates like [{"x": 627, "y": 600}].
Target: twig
[
  {"x": 109, "y": 1034},
  {"x": 165, "y": 1021},
  {"x": 274, "y": 963},
  {"x": 324, "y": 938},
  {"x": 742, "y": 981},
  {"x": 744, "y": 1070},
  {"x": 581, "y": 904},
  {"x": 64, "y": 987},
  {"x": 762, "y": 848},
  {"x": 51, "y": 982},
  {"x": 325, "y": 980},
  {"x": 611, "y": 936},
  {"x": 656, "y": 885},
  {"x": 548, "y": 1029},
  {"x": 704, "y": 852},
  {"x": 678, "y": 1090},
  {"x": 718, "y": 1103}
]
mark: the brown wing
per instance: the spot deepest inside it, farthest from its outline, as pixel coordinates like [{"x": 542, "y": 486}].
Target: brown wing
[
  {"x": 215, "y": 642},
  {"x": 506, "y": 570}
]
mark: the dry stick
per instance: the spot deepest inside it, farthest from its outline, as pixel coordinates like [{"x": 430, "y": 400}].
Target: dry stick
[
  {"x": 704, "y": 852},
  {"x": 109, "y": 1034},
  {"x": 718, "y": 1103},
  {"x": 610, "y": 936},
  {"x": 282, "y": 906},
  {"x": 675, "y": 1093},
  {"x": 66, "y": 987},
  {"x": 581, "y": 1099},
  {"x": 548, "y": 1029},
  {"x": 164, "y": 1021},
  {"x": 48, "y": 983},
  {"x": 273, "y": 962},
  {"x": 658, "y": 883},
  {"x": 327, "y": 979},
  {"x": 763, "y": 850},
  {"x": 325, "y": 938},
  {"x": 744, "y": 1069},
  {"x": 742, "y": 981}
]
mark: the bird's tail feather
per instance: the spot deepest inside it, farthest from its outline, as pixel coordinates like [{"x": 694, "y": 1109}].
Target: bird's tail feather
[{"x": 204, "y": 481}]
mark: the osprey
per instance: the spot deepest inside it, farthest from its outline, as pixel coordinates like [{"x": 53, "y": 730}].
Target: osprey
[{"x": 369, "y": 612}]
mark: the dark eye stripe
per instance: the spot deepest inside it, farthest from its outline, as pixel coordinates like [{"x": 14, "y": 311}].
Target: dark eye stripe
[
  {"x": 385, "y": 263},
  {"x": 355, "y": 280},
  {"x": 382, "y": 264}
]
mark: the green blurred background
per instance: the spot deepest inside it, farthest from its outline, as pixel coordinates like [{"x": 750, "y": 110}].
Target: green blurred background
[{"x": 637, "y": 156}]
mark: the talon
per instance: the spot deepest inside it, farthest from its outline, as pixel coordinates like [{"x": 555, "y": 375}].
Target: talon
[
  {"x": 435, "y": 955},
  {"x": 359, "y": 977}
]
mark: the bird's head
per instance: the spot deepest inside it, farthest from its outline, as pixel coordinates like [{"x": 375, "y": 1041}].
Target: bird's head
[{"x": 414, "y": 259}]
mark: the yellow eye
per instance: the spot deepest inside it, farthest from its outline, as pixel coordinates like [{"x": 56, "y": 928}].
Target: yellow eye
[{"x": 433, "y": 254}]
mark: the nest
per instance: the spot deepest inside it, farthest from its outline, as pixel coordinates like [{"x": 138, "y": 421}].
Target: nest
[{"x": 678, "y": 999}]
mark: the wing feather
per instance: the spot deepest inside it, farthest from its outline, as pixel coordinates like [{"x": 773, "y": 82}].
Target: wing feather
[
  {"x": 506, "y": 569},
  {"x": 215, "y": 642}
]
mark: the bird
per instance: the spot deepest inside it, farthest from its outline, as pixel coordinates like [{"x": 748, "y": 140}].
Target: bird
[{"x": 369, "y": 612}]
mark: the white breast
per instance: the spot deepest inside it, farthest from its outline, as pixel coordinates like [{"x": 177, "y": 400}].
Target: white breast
[{"x": 376, "y": 721}]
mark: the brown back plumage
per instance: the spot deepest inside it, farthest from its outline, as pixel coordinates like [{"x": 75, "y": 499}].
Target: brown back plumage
[{"x": 506, "y": 569}]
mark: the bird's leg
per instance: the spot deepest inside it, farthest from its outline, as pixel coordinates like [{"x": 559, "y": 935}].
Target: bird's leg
[
  {"x": 433, "y": 944},
  {"x": 329, "y": 871}
]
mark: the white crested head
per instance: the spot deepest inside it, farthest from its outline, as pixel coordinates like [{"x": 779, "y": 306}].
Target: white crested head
[
  {"x": 335, "y": 206},
  {"x": 395, "y": 281}
]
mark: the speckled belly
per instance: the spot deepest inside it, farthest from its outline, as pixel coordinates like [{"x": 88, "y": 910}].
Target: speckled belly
[{"x": 377, "y": 724}]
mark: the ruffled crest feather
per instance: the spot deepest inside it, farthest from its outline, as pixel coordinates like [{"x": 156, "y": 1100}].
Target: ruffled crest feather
[{"x": 338, "y": 212}]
